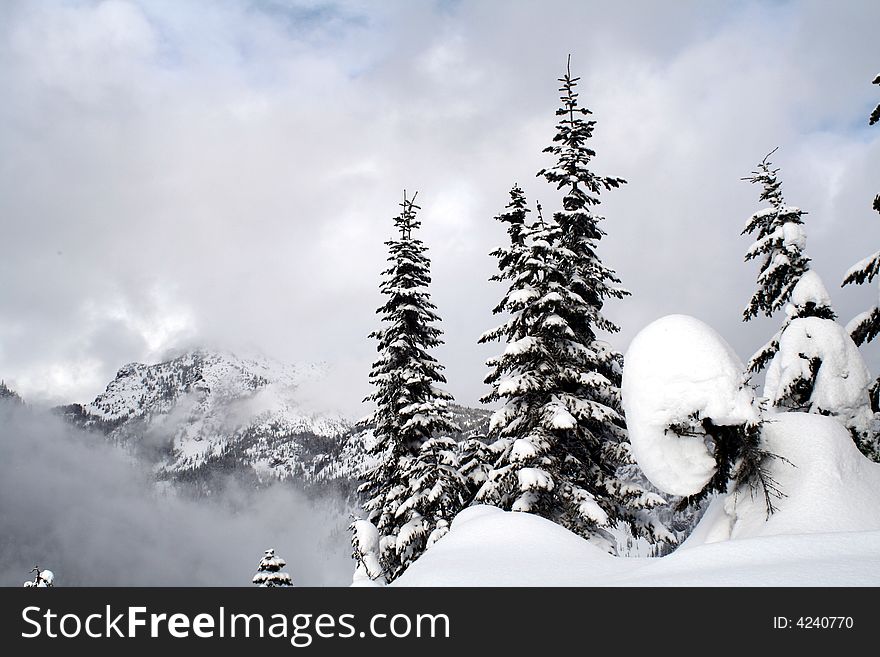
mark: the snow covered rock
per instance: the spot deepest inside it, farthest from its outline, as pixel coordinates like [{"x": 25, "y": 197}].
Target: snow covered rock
[{"x": 678, "y": 370}]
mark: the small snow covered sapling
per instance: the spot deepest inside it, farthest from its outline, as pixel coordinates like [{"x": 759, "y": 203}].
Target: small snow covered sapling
[
  {"x": 694, "y": 422},
  {"x": 269, "y": 571},
  {"x": 365, "y": 551},
  {"x": 42, "y": 579}
]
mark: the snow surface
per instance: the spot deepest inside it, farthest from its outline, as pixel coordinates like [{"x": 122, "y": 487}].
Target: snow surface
[
  {"x": 677, "y": 367},
  {"x": 826, "y": 532}
]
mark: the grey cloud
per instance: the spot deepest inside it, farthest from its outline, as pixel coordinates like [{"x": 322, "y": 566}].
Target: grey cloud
[{"x": 225, "y": 173}]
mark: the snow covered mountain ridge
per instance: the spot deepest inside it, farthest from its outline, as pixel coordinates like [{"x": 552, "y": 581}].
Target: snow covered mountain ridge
[{"x": 205, "y": 414}]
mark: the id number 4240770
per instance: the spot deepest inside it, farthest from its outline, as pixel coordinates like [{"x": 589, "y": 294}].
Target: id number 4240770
[{"x": 813, "y": 623}]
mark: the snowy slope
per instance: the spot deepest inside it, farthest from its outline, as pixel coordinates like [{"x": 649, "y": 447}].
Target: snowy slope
[
  {"x": 500, "y": 548},
  {"x": 826, "y": 532}
]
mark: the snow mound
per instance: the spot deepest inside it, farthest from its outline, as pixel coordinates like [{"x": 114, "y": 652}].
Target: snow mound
[
  {"x": 829, "y": 485},
  {"x": 826, "y": 531},
  {"x": 491, "y": 547},
  {"x": 678, "y": 367}
]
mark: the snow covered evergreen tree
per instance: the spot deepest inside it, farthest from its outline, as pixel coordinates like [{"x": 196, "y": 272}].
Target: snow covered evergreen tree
[
  {"x": 561, "y": 431},
  {"x": 410, "y": 408},
  {"x": 7, "y": 394},
  {"x": 475, "y": 461},
  {"x": 42, "y": 579},
  {"x": 818, "y": 368},
  {"x": 436, "y": 491},
  {"x": 866, "y": 326},
  {"x": 779, "y": 242},
  {"x": 269, "y": 571},
  {"x": 365, "y": 551}
]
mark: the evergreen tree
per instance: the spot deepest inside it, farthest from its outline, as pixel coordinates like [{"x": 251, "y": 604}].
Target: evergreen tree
[
  {"x": 269, "y": 571},
  {"x": 365, "y": 551},
  {"x": 809, "y": 299},
  {"x": 7, "y": 394},
  {"x": 410, "y": 408},
  {"x": 436, "y": 491},
  {"x": 817, "y": 367},
  {"x": 779, "y": 243},
  {"x": 42, "y": 579},
  {"x": 866, "y": 326},
  {"x": 561, "y": 429},
  {"x": 475, "y": 460}
]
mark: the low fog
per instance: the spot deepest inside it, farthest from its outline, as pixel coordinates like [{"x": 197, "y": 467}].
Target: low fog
[{"x": 74, "y": 504}]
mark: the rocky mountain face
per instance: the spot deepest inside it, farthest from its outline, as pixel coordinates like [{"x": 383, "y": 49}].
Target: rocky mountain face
[{"x": 204, "y": 416}]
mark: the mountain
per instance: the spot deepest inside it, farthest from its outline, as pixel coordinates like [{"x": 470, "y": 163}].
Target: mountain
[{"x": 207, "y": 415}]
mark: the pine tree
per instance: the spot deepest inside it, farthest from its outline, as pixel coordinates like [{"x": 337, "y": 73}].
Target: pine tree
[
  {"x": 410, "y": 408},
  {"x": 269, "y": 571},
  {"x": 779, "y": 242},
  {"x": 866, "y": 326},
  {"x": 561, "y": 428}
]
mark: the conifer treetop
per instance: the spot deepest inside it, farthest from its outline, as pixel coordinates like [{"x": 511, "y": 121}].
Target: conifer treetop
[
  {"x": 573, "y": 155},
  {"x": 779, "y": 243}
]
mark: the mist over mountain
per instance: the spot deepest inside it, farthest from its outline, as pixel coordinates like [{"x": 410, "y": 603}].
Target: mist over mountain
[
  {"x": 182, "y": 473},
  {"x": 204, "y": 416}
]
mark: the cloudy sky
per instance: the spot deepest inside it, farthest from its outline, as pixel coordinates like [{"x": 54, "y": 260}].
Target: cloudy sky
[{"x": 224, "y": 173}]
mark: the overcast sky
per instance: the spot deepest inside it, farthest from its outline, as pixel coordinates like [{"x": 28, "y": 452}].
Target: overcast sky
[{"x": 225, "y": 173}]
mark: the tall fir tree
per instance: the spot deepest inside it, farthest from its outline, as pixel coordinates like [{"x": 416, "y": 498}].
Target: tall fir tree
[
  {"x": 866, "y": 326},
  {"x": 561, "y": 424},
  {"x": 410, "y": 408},
  {"x": 779, "y": 243}
]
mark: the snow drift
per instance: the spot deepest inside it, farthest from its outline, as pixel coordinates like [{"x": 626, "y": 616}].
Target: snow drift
[{"x": 826, "y": 531}]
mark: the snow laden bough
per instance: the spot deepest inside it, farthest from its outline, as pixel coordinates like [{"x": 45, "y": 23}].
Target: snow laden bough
[{"x": 694, "y": 422}]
